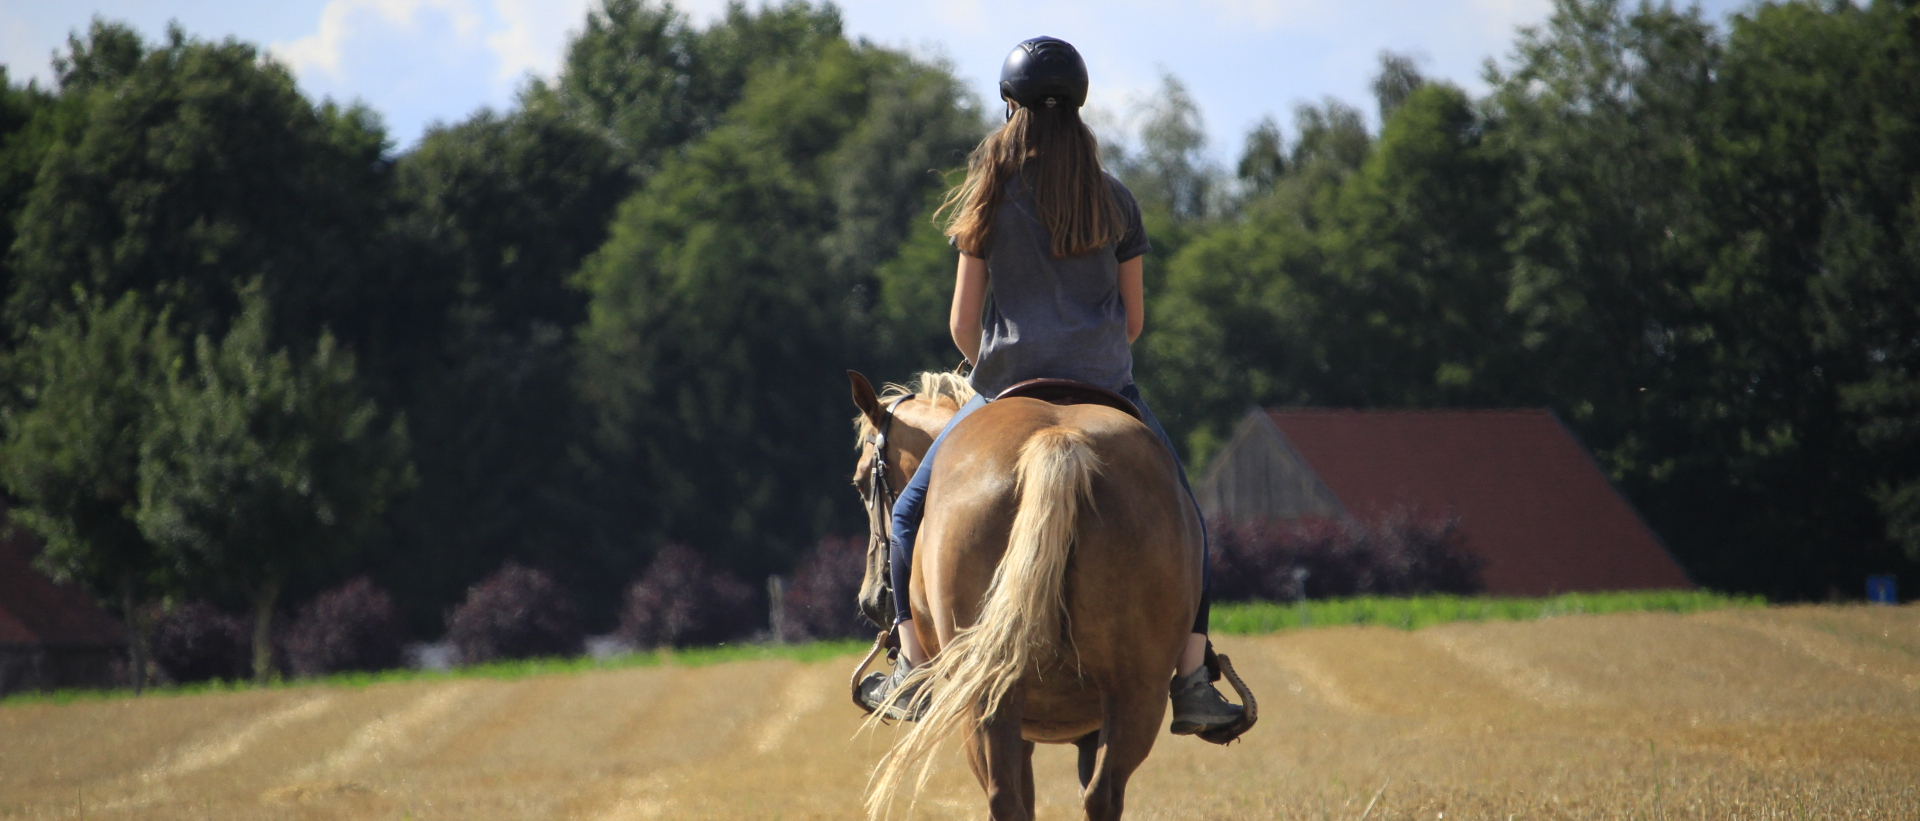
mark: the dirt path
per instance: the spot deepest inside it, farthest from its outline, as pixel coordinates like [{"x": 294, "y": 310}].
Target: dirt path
[{"x": 1807, "y": 712}]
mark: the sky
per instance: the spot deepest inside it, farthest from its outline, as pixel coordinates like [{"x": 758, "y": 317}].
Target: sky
[{"x": 418, "y": 62}]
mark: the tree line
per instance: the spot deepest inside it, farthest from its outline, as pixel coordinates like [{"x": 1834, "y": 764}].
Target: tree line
[{"x": 250, "y": 350}]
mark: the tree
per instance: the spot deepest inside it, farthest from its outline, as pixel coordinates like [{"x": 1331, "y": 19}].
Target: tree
[
  {"x": 263, "y": 465},
  {"x": 198, "y": 167},
  {"x": 1247, "y": 310},
  {"x": 654, "y": 83},
  {"x": 31, "y": 122},
  {"x": 1169, "y": 173},
  {"x": 1399, "y": 77},
  {"x": 1815, "y": 283},
  {"x": 496, "y": 214},
  {"x": 86, "y": 386},
  {"x": 1263, "y": 161},
  {"x": 714, "y": 332},
  {"x": 109, "y": 54},
  {"x": 733, "y": 293}
]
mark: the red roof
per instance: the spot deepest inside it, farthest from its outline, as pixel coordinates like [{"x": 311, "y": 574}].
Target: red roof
[
  {"x": 35, "y": 611},
  {"x": 1531, "y": 500}
]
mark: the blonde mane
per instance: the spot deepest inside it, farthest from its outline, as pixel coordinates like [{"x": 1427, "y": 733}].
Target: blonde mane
[{"x": 929, "y": 385}]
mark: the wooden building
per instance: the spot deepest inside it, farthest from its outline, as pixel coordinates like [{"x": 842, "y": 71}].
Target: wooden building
[
  {"x": 51, "y": 636},
  {"x": 1530, "y": 499}
]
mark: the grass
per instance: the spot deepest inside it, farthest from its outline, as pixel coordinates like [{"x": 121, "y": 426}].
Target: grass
[
  {"x": 1229, "y": 618},
  {"x": 1255, "y": 618},
  {"x": 501, "y": 670}
]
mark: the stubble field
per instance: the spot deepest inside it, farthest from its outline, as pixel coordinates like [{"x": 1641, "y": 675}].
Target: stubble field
[{"x": 1802, "y": 712}]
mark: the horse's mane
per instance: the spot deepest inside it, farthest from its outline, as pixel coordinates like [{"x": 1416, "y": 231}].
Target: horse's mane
[{"x": 930, "y": 385}]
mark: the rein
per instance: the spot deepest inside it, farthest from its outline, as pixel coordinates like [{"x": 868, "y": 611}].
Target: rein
[
  {"x": 880, "y": 493},
  {"x": 880, "y": 498}
]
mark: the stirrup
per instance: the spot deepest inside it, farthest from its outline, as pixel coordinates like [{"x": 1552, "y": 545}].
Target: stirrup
[
  {"x": 884, "y": 641},
  {"x": 1218, "y": 665}
]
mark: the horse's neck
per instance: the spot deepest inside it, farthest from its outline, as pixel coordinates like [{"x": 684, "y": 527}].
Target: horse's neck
[{"x": 928, "y": 419}]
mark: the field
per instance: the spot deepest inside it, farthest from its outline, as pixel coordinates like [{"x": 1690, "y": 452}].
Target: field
[{"x": 1794, "y": 712}]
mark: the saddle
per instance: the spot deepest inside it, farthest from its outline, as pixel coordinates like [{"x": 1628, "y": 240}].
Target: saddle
[{"x": 1069, "y": 392}]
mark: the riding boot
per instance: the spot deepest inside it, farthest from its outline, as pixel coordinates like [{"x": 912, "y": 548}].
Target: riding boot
[
  {"x": 882, "y": 691},
  {"x": 1197, "y": 707}
]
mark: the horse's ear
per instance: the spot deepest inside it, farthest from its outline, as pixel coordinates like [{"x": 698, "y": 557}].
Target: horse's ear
[{"x": 866, "y": 400}]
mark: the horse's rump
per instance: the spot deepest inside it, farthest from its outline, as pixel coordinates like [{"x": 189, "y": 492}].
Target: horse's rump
[
  {"x": 1134, "y": 560},
  {"x": 1058, "y": 555}
]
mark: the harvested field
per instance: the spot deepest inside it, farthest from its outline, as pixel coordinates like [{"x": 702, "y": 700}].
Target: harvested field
[{"x": 1800, "y": 712}]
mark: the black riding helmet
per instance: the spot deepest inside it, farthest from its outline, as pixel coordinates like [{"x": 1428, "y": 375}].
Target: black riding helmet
[{"x": 1042, "y": 71}]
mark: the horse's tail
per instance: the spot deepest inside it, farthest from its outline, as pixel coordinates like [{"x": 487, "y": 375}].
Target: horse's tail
[{"x": 1022, "y": 621}]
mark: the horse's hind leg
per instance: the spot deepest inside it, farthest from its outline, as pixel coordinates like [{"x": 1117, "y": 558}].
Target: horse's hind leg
[
  {"x": 1132, "y": 724},
  {"x": 1026, "y": 775},
  {"x": 1003, "y": 762},
  {"x": 1089, "y": 746}
]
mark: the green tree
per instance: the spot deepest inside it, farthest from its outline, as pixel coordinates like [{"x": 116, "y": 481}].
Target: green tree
[
  {"x": 740, "y": 283},
  {"x": 1247, "y": 311},
  {"x": 198, "y": 167},
  {"x": 496, "y": 213},
  {"x": 263, "y": 465},
  {"x": 716, "y": 329},
  {"x": 1414, "y": 248},
  {"x": 86, "y": 386},
  {"x": 109, "y": 54},
  {"x": 1263, "y": 161},
  {"x": 1169, "y": 172},
  {"x": 1398, "y": 79},
  {"x": 25, "y": 120},
  {"x": 653, "y": 82},
  {"x": 1813, "y": 285}
]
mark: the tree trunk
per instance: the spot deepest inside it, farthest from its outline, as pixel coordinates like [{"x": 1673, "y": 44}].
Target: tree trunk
[
  {"x": 136, "y": 636},
  {"x": 263, "y": 601}
]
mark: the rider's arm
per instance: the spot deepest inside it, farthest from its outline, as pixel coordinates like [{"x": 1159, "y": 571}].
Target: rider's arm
[
  {"x": 1131, "y": 296},
  {"x": 969, "y": 295}
]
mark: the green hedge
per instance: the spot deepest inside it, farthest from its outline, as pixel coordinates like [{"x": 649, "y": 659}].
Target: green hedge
[
  {"x": 1254, "y": 618},
  {"x": 505, "y": 670}
]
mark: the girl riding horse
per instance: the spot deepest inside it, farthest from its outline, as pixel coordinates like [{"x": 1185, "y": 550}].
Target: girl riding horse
[{"x": 1048, "y": 286}]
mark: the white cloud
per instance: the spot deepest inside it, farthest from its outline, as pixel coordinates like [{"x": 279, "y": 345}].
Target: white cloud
[
  {"x": 534, "y": 36},
  {"x": 341, "y": 21}
]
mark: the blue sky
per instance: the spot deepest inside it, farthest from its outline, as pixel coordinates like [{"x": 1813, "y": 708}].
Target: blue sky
[{"x": 421, "y": 61}]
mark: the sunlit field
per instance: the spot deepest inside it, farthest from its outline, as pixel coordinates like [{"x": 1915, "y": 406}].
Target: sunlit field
[{"x": 1737, "y": 712}]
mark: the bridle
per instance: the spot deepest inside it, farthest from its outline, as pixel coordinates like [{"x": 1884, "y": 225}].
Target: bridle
[
  {"x": 880, "y": 493},
  {"x": 879, "y": 500}
]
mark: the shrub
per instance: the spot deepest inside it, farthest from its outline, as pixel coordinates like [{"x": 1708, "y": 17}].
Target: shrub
[
  {"x": 820, "y": 603},
  {"x": 516, "y": 613},
  {"x": 199, "y": 642},
  {"x": 352, "y": 627},
  {"x": 682, "y": 601},
  {"x": 1400, "y": 554}
]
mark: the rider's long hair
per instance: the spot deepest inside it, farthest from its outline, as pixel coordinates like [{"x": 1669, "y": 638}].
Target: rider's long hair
[{"x": 1059, "y": 159}]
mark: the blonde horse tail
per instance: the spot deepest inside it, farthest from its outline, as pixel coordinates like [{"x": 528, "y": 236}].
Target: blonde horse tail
[{"x": 1022, "y": 622}]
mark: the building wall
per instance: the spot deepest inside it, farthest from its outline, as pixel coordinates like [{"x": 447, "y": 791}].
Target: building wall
[{"x": 1259, "y": 476}]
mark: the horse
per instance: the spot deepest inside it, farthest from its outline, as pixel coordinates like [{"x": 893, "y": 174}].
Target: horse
[{"x": 1054, "y": 584}]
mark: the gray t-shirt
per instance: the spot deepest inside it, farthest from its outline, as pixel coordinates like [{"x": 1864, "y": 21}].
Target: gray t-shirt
[{"x": 1054, "y": 318}]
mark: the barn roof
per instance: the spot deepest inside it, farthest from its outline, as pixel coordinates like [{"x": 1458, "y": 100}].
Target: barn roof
[
  {"x": 35, "y": 611},
  {"x": 1531, "y": 500}
]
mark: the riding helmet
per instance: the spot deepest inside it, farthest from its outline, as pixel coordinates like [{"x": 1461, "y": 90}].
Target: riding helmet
[{"x": 1044, "y": 71}]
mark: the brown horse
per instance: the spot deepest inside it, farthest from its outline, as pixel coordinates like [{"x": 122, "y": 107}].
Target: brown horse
[{"x": 1055, "y": 581}]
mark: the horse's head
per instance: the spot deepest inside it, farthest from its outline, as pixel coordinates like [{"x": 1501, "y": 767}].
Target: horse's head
[{"x": 895, "y": 429}]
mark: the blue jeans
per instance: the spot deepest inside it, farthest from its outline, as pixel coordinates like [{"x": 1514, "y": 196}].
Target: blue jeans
[{"x": 912, "y": 506}]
